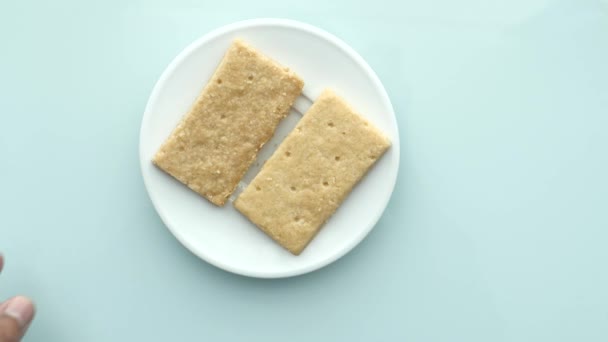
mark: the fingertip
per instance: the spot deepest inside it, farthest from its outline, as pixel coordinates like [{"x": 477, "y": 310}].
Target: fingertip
[{"x": 21, "y": 308}]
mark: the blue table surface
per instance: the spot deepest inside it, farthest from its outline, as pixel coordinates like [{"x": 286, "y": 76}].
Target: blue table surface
[{"x": 497, "y": 229}]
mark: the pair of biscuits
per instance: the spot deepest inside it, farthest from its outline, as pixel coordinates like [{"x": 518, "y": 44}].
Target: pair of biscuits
[{"x": 308, "y": 176}]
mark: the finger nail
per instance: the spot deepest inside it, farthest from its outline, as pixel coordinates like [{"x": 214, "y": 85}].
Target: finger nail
[{"x": 20, "y": 308}]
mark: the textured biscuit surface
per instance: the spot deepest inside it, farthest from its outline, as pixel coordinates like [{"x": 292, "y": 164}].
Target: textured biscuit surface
[
  {"x": 234, "y": 116},
  {"x": 312, "y": 172}
]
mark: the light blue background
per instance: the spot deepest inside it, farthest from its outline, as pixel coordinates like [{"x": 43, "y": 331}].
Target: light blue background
[{"x": 497, "y": 230}]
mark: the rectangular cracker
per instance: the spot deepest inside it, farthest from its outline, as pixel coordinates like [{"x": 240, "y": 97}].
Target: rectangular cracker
[
  {"x": 312, "y": 172},
  {"x": 234, "y": 116}
]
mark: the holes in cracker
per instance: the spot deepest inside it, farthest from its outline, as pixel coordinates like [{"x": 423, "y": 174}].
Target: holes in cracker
[
  {"x": 297, "y": 218},
  {"x": 223, "y": 116},
  {"x": 325, "y": 183},
  {"x": 337, "y": 158},
  {"x": 250, "y": 77},
  {"x": 343, "y": 133},
  {"x": 292, "y": 188},
  {"x": 372, "y": 156},
  {"x": 257, "y": 188},
  {"x": 219, "y": 81},
  {"x": 330, "y": 124},
  {"x": 287, "y": 154}
]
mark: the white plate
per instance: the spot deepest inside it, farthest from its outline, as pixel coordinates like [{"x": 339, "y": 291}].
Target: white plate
[{"x": 222, "y": 236}]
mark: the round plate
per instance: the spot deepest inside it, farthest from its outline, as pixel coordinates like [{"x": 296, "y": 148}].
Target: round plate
[{"x": 222, "y": 236}]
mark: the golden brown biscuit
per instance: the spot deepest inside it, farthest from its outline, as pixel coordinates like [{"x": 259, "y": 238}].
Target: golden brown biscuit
[
  {"x": 233, "y": 117},
  {"x": 312, "y": 172}
]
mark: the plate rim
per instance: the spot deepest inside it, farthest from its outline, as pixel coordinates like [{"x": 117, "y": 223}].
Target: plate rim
[{"x": 291, "y": 24}]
